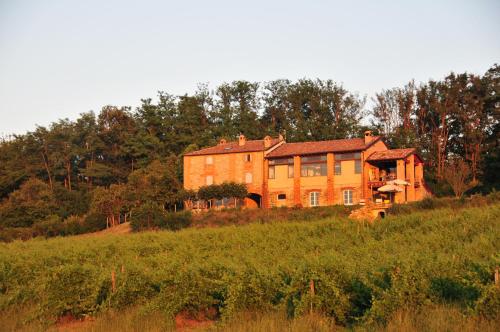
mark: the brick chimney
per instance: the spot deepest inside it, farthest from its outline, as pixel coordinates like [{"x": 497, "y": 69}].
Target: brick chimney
[
  {"x": 368, "y": 136},
  {"x": 242, "y": 140},
  {"x": 267, "y": 142}
]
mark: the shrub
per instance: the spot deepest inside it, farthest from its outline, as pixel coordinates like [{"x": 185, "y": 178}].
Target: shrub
[
  {"x": 147, "y": 216},
  {"x": 50, "y": 226},
  {"x": 488, "y": 304},
  {"x": 74, "y": 290},
  {"x": 94, "y": 222},
  {"x": 176, "y": 220}
]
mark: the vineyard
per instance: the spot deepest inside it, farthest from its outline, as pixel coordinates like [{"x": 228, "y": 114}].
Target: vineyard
[{"x": 351, "y": 273}]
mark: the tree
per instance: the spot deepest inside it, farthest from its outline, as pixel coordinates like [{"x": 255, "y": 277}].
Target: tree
[
  {"x": 157, "y": 183},
  {"x": 458, "y": 175},
  {"x": 31, "y": 203},
  {"x": 109, "y": 202}
]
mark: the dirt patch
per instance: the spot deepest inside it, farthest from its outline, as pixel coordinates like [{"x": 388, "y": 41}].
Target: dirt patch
[{"x": 124, "y": 228}]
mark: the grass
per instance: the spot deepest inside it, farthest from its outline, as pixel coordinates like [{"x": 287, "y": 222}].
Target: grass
[
  {"x": 418, "y": 271},
  {"x": 430, "y": 318}
]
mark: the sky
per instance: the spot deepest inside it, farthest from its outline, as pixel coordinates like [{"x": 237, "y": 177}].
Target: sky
[{"x": 60, "y": 58}]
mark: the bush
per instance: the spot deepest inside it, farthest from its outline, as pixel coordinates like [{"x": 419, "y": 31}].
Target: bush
[
  {"x": 148, "y": 217},
  {"x": 50, "y": 226},
  {"x": 9, "y": 234},
  {"x": 489, "y": 304},
  {"x": 176, "y": 220},
  {"x": 94, "y": 222},
  {"x": 73, "y": 290}
]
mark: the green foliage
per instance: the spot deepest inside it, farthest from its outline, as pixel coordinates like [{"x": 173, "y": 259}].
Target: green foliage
[
  {"x": 121, "y": 158},
  {"x": 359, "y": 273},
  {"x": 224, "y": 190},
  {"x": 151, "y": 216},
  {"x": 430, "y": 203},
  {"x": 77, "y": 290}
]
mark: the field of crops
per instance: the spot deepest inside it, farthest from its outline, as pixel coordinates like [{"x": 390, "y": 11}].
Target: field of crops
[{"x": 349, "y": 272}]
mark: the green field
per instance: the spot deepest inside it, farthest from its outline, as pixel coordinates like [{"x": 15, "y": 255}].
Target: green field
[{"x": 342, "y": 272}]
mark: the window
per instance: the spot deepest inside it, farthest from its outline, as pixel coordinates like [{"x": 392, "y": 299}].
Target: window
[
  {"x": 209, "y": 180},
  {"x": 313, "y": 165},
  {"x": 313, "y": 170},
  {"x": 209, "y": 160},
  {"x": 281, "y": 197},
  {"x": 281, "y": 161},
  {"x": 348, "y": 197},
  {"x": 290, "y": 171},
  {"x": 338, "y": 168},
  {"x": 314, "y": 198},
  {"x": 248, "y": 177},
  {"x": 248, "y": 158},
  {"x": 348, "y": 156},
  {"x": 357, "y": 166},
  {"x": 313, "y": 159},
  {"x": 271, "y": 172}
]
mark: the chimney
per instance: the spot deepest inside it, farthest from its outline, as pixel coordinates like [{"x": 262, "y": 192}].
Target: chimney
[
  {"x": 281, "y": 138},
  {"x": 222, "y": 141},
  {"x": 368, "y": 136},
  {"x": 242, "y": 140},
  {"x": 267, "y": 142}
]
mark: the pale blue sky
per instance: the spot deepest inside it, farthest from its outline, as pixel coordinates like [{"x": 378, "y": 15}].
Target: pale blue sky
[{"x": 62, "y": 58}]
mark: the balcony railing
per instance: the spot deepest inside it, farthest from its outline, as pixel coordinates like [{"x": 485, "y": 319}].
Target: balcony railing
[
  {"x": 377, "y": 184},
  {"x": 383, "y": 182}
]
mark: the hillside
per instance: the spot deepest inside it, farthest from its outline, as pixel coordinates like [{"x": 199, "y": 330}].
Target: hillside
[{"x": 349, "y": 272}]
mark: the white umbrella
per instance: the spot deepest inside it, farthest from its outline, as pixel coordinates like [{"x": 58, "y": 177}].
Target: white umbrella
[
  {"x": 390, "y": 188},
  {"x": 399, "y": 182}
]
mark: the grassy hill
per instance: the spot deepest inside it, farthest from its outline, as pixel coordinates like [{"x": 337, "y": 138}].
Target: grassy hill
[{"x": 350, "y": 274}]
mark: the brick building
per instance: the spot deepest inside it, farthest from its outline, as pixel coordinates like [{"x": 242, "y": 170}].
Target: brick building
[{"x": 277, "y": 173}]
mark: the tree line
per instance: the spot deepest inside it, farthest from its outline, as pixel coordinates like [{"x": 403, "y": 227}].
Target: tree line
[{"x": 97, "y": 156}]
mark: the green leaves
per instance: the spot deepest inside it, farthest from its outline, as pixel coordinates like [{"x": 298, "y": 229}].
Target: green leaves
[
  {"x": 331, "y": 267},
  {"x": 224, "y": 190}
]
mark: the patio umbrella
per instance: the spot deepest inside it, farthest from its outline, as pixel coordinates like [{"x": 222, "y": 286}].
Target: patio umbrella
[
  {"x": 399, "y": 182},
  {"x": 389, "y": 188}
]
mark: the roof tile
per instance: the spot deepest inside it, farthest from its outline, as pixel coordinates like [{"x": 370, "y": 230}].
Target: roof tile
[
  {"x": 390, "y": 154},
  {"x": 234, "y": 147},
  {"x": 305, "y": 148}
]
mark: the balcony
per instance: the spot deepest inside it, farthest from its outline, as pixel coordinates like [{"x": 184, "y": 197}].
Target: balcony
[{"x": 376, "y": 184}]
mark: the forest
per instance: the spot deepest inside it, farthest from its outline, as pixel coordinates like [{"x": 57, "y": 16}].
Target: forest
[{"x": 82, "y": 175}]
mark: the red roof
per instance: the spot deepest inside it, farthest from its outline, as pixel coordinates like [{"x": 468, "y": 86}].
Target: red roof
[
  {"x": 305, "y": 148},
  {"x": 234, "y": 147},
  {"x": 390, "y": 154}
]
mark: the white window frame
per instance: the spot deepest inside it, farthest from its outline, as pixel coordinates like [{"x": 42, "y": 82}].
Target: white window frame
[
  {"x": 348, "y": 196},
  {"x": 314, "y": 198},
  {"x": 248, "y": 177},
  {"x": 209, "y": 160},
  {"x": 209, "y": 180}
]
